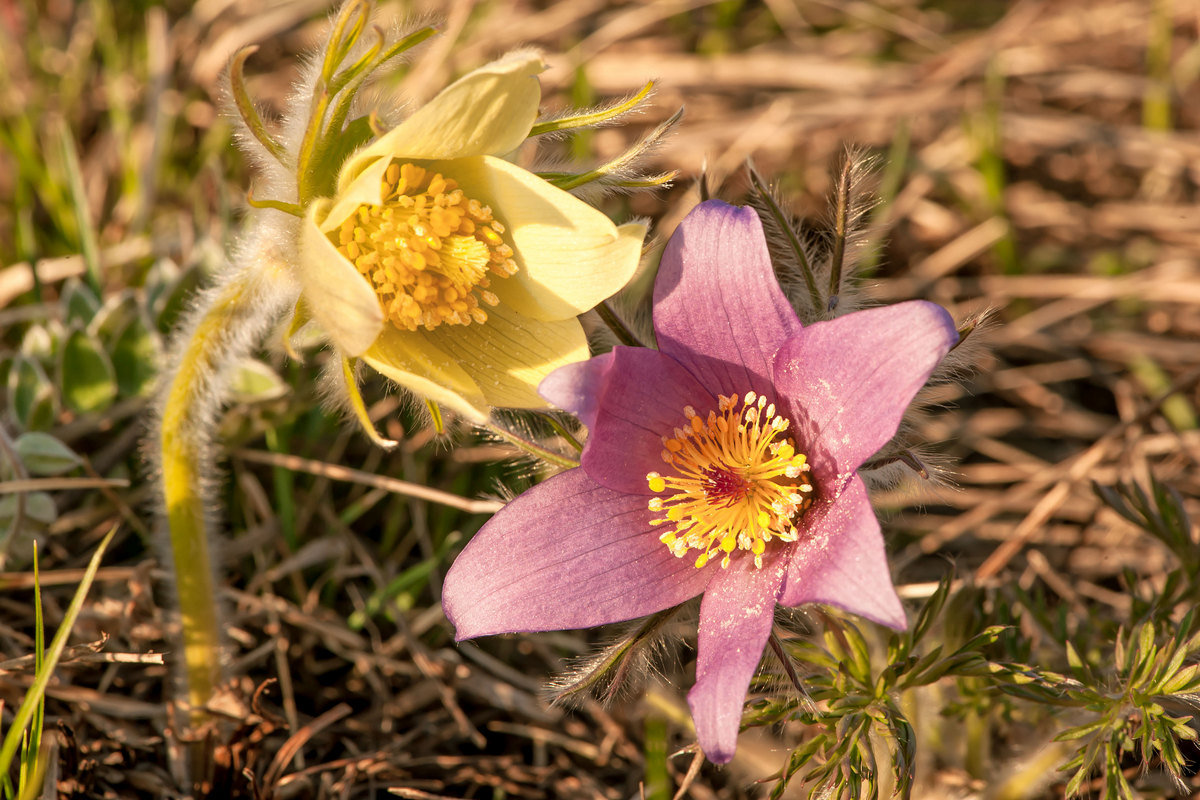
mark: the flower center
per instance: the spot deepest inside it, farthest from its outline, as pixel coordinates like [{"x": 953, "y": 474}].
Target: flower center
[
  {"x": 737, "y": 482},
  {"x": 428, "y": 250}
]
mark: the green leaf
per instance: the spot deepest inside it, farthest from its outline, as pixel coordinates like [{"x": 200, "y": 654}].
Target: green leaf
[
  {"x": 171, "y": 297},
  {"x": 117, "y": 312},
  {"x": 1185, "y": 681},
  {"x": 80, "y": 304},
  {"x": 39, "y": 507},
  {"x": 859, "y": 653},
  {"x": 31, "y": 398},
  {"x": 135, "y": 354},
  {"x": 931, "y": 608},
  {"x": 39, "y": 343},
  {"x": 42, "y": 454},
  {"x": 1078, "y": 732},
  {"x": 86, "y": 374},
  {"x": 255, "y": 382}
]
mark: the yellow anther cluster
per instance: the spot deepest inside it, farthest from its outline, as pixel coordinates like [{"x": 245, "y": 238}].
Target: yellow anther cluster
[
  {"x": 428, "y": 250},
  {"x": 735, "y": 482}
]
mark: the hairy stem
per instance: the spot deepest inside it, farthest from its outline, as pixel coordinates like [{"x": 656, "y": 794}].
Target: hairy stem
[
  {"x": 226, "y": 322},
  {"x": 617, "y": 326}
]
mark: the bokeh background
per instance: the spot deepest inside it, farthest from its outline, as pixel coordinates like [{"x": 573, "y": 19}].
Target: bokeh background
[{"x": 1037, "y": 158}]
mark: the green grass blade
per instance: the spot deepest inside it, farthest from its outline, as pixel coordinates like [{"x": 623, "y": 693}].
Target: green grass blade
[
  {"x": 36, "y": 695},
  {"x": 32, "y": 743},
  {"x": 83, "y": 218}
]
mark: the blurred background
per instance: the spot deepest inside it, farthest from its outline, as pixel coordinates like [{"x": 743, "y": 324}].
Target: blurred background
[{"x": 1036, "y": 158}]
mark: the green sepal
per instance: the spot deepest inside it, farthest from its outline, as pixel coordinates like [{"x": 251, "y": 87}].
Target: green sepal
[
  {"x": 360, "y": 407},
  {"x": 435, "y": 412},
  {"x": 333, "y": 151},
  {"x": 246, "y": 109},
  {"x": 591, "y": 119}
]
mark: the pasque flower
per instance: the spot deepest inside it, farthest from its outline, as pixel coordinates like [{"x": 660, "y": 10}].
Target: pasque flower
[
  {"x": 722, "y": 464},
  {"x": 448, "y": 268},
  {"x": 417, "y": 245}
]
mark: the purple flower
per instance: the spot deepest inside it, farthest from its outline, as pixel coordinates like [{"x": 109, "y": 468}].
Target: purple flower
[{"x": 722, "y": 464}]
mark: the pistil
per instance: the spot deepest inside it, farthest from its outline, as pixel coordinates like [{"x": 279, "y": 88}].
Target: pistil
[{"x": 733, "y": 482}]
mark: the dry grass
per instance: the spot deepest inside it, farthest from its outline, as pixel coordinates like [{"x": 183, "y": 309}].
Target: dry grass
[{"x": 1028, "y": 172}]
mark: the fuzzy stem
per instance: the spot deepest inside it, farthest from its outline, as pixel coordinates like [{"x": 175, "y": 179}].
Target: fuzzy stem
[
  {"x": 793, "y": 240},
  {"x": 789, "y": 667},
  {"x": 182, "y": 476},
  {"x": 227, "y": 322},
  {"x": 841, "y": 230},
  {"x": 563, "y": 432},
  {"x": 533, "y": 448},
  {"x": 617, "y": 326}
]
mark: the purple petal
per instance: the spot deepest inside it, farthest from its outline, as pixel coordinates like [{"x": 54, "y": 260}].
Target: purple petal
[
  {"x": 642, "y": 400},
  {"x": 842, "y": 561},
  {"x": 565, "y": 554},
  {"x": 718, "y": 308},
  {"x": 852, "y": 378},
  {"x": 735, "y": 619},
  {"x": 576, "y": 387}
]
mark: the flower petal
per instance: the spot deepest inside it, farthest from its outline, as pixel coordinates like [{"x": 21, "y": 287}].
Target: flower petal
[
  {"x": 339, "y": 298},
  {"x": 843, "y": 562},
  {"x": 576, "y": 387},
  {"x": 569, "y": 255},
  {"x": 642, "y": 400},
  {"x": 509, "y": 355},
  {"x": 565, "y": 554},
  {"x": 416, "y": 364},
  {"x": 718, "y": 308},
  {"x": 736, "y": 615},
  {"x": 489, "y": 111},
  {"x": 366, "y": 189},
  {"x": 852, "y": 378}
]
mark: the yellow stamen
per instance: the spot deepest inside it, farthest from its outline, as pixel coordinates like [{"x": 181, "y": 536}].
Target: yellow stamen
[
  {"x": 736, "y": 484},
  {"x": 428, "y": 251}
]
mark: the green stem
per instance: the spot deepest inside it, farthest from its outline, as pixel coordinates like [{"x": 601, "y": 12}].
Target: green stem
[
  {"x": 230, "y": 319},
  {"x": 617, "y": 326},
  {"x": 187, "y": 524},
  {"x": 533, "y": 448},
  {"x": 793, "y": 241}
]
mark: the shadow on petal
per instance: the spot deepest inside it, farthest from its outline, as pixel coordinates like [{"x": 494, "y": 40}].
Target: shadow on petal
[
  {"x": 509, "y": 355},
  {"x": 417, "y": 365},
  {"x": 841, "y": 561},
  {"x": 718, "y": 307},
  {"x": 736, "y": 616},
  {"x": 566, "y": 554}
]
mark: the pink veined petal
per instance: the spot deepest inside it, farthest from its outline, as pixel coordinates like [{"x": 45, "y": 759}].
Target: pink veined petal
[
  {"x": 718, "y": 308},
  {"x": 576, "y": 387},
  {"x": 643, "y": 399},
  {"x": 851, "y": 379},
  {"x": 840, "y": 560},
  {"x": 566, "y": 554},
  {"x": 736, "y": 615}
]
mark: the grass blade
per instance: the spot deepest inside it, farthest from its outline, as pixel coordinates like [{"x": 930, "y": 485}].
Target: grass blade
[{"x": 34, "y": 699}]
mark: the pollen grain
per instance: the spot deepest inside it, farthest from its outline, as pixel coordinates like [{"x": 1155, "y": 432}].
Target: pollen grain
[{"x": 428, "y": 250}]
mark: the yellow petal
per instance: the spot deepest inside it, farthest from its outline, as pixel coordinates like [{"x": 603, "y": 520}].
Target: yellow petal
[
  {"x": 339, "y": 298},
  {"x": 367, "y": 189},
  {"x": 486, "y": 112},
  {"x": 417, "y": 364},
  {"x": 570, "y": 255},
  {"x": 510, "y": 354}
]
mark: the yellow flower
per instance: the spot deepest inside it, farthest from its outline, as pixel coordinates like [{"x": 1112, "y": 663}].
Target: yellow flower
[{"x": 451, "y": 270}]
